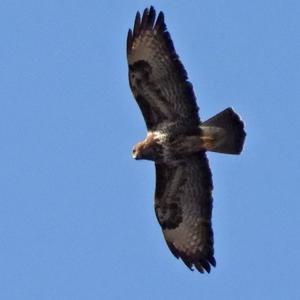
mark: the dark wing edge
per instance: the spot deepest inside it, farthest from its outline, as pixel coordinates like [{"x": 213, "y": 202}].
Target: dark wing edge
[
  {"x": 183, "y": 206},
  {"x": 160, "y": 83}
]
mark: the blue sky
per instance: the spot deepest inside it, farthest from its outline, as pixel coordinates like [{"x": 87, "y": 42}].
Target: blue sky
[{"x": 76, "y": 212}]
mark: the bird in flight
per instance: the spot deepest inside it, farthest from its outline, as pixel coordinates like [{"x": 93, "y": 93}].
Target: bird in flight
[{"x": 177, "y": 140}]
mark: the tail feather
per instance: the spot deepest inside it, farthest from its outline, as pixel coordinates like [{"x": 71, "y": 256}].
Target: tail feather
[{"x": 227, "y": 130}]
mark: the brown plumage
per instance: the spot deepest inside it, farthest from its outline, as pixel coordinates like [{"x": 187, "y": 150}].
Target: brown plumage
[{"x": 177, "y": 140}]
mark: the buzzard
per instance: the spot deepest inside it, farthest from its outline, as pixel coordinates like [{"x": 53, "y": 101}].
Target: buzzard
[{"x": 177, "y": 140}]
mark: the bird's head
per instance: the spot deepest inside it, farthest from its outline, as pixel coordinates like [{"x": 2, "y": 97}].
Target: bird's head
[
  {"x": 143, "y": 151},
  {"x": 148, "y": 149},
  {"x": 137, "y": 151}
]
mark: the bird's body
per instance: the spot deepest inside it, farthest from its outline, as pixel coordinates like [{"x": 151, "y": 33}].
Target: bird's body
[
  {"x": 177, "y": 140},
  {"x": 162, "y": 147}
]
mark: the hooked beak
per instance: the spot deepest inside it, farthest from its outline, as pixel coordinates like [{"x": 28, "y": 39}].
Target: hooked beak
[{"x": 135, "y": 154}]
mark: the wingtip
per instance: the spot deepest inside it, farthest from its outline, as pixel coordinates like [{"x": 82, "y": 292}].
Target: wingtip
[
  {"x": 129, "y": 40},
  {"x": 151, "y": 16},
  {"x": 160, "y": 22},
  {"x": 212, "y": 261},
  {"x": 148, "y": 18},
  {"x": 137, "y": 17},
  {"x": 145, "y": 14},
  {"x": 152, "y": 10},
  {"x": 200, "y": 263},
  {"x": 137, "y": 24}
]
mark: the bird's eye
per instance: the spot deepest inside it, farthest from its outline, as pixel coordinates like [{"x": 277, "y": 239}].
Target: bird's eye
[{"x": 133, "y": 150}]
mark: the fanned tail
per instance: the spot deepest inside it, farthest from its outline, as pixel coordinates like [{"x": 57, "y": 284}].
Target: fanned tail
[{"x": 226, "y": 129}]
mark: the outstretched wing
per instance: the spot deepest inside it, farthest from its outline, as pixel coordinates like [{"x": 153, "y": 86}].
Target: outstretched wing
[
  {"x": 183, "y": 206},
  {"x": 157, "y": 78}
]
